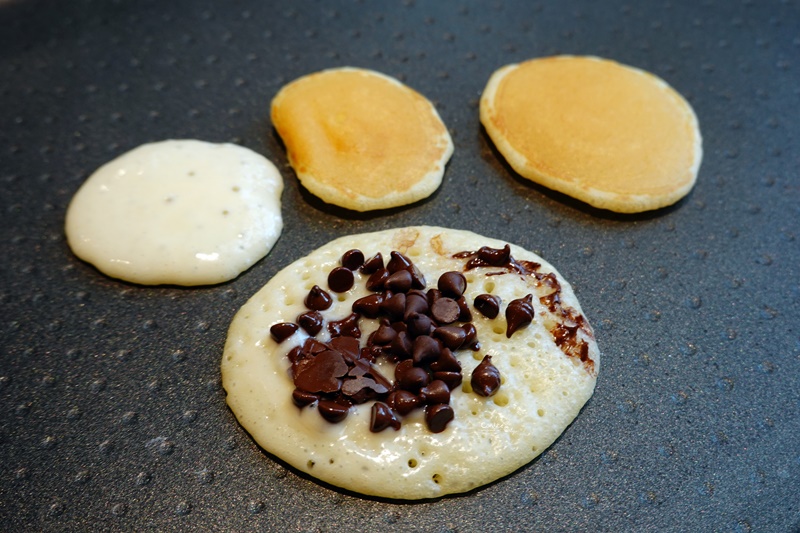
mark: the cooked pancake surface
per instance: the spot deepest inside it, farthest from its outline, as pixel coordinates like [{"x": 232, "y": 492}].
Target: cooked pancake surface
[
  {"x": 361, "y": 140},
  {"x": 610, "y": 135},
  {"x": 543, "y": 388}
]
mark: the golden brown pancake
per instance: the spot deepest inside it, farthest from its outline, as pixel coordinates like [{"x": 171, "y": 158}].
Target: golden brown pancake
[
  {"x": 613, "y": 136},
  {"x": 361, "y": 140}
]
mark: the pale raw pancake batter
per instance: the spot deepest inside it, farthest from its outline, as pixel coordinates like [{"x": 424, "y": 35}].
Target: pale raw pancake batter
[
  {"x": 613, "y": 136},
  {"x": 181, "y": 212},
  {"x": 542, "y": 390},
  {"x": 360, "y": 139}
]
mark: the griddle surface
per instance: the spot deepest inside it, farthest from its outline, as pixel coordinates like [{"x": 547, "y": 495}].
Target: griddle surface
[{"x": 113, "y": 416}]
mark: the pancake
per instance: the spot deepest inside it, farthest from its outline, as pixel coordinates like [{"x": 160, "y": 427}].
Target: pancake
[
  {"x": 360, "y": 139},
  {"x": 180, "y": 212},
  {"x": 610, "y": 135},
  {"x": 511, "y": 385}
]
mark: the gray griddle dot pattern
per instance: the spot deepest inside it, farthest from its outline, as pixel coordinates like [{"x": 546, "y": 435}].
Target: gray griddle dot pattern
[{"x": 113, "y": 417}]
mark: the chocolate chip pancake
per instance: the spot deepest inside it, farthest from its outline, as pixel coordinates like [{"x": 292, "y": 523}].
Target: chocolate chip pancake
[{"x": 410, "y": 363}]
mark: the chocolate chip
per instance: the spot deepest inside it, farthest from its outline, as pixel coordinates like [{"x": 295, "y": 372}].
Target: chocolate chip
[
  {"x": 417, "y": 279},
  {"x": 419, "y": 324},
  {"x": 302, "y": 398},
  {"x": 294, "y": 354},
  {"x": 451, "y": 379},
  {"x": 415, "y": 303},
  {"x": 471, "y": 341},
  {"x": 438, "y": 416},
  {"x": 394, "y": 306},
  {"x": 446, "y": 362},
  {"x": 495, "y": 256},
  {"x": 485, "y": 378},
  {"x": 376, "y": 280},
  {"x": 322, "y": 373},
  {"x": 451, "y": 336},
  {"x": 282, "y": 331},
  {"x": 348, "y": 347},
  {"x": 383, "y": 335},
  {"x": 373, "y": 264},
  {"x": 347, "y": 326},
  {"x": 409, "y": 377},
  {"x": 401, "y": 346},
  {"x": 445, "y": 311},
  {"x": 352, "y": 259},
  {"x": 435, "y": 392},
  {"x": 371, "y": 353},
  {"x": 400, "y": 281},
  {"x": 488, "y": 305},
  {"x": 425, "y": 350},
  {"x": 452, "y": 284},
  {"x": 403, "y": 401},
  {"x": 464, "y": 314},
  {"x": 433, "y": 295},
  {"x": 363, "y": 388},
  {"x": 340, "y": 279},
  {"x": 318, "y": 299},
  {"x": 361, "y": 367},
  {"x": 311, "y": 322},
  {"x": 333, "y": 411},
  {"x": 519, "y": 314},
  {"x": 382, "y": 417},
  {"x": 398, "y": 262},
  {"x": 313, "y": 347},
  {"x": 369, "y": 305}
]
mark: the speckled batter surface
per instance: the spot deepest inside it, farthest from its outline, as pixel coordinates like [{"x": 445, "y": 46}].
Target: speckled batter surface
[{"x": 112, "y": 413}]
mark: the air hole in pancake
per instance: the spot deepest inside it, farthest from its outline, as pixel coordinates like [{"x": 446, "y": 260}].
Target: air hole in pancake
[
  {"x": 412, "y": 463},
  {"x": 341, "y": 297},
  {"x": 466, "y": 387},
  {"x": 310, "y": 463},
  {"x": 477, "y": 356},
  {"x": 489, "y": 286},
  {"x": 437, "y": 478},
  {"x": 413, "y": 252},
  {"x": 540, "y": 412},
  {"x": 235, "y": 188},
  {"x": 306, "y": 276},
  {"x": 501, "y": 400},
  {"x": 498, "y": 329}
]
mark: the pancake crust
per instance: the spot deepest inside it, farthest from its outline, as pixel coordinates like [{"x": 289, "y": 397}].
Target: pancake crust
[
  {"x": 542, "y": 390},
  {"x": 360, "y": 139},
  {"x": 613, "y": 136}
]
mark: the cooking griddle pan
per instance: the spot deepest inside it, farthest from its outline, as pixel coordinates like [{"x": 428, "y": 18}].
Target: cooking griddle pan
[{"x": 113, "y": 416}]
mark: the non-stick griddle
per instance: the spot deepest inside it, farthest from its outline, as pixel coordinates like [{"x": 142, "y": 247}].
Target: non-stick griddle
[{"x": 112, "y": 414}]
